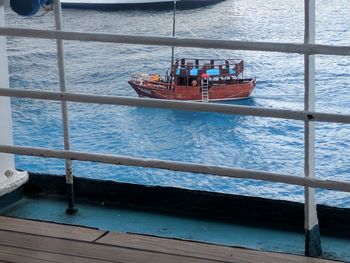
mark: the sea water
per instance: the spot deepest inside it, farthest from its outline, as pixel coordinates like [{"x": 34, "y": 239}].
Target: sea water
[{"x": 267, "y": 144}]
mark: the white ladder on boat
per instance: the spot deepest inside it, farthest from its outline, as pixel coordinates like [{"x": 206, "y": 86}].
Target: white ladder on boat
[{"x": 205, "y": 90}]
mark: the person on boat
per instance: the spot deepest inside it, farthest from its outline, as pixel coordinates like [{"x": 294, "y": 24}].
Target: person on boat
[
  {"x": 205, "y": 76},
  {"x": 194, "y": 83},
  {"x": 155, "y": 78}
]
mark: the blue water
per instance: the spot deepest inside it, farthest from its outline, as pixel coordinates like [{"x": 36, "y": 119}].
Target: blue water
[{"x": 238, "y": 141}]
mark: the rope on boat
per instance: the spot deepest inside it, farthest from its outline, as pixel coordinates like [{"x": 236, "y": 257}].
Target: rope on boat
[{"x": 196, "y": 36}]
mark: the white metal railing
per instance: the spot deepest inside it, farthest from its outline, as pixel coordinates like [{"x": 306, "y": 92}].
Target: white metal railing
[
  {"x": 178, "y": 166},
  {"x": 176, "y": 41},
  {"x": 300, "y": 115},
  {"x": 308, "y": 115},
  {"x": 312, "y": 243},
  {"x": 64, "y": 109}
]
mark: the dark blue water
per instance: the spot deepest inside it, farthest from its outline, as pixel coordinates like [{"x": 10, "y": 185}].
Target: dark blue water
[{"x": 238, "y": 141}]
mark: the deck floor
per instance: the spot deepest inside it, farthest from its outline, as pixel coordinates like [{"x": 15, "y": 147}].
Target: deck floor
[{"x": 35, "y": 241}]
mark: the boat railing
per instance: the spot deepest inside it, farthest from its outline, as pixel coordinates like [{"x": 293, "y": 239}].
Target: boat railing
[
  {"x": 155, "y": 80},
  {"x": 137, "y": 78},
  {"x": 202, "y": 61},
  {"x": 309, "y": 116},
  {"x": 225, "y": 68}
]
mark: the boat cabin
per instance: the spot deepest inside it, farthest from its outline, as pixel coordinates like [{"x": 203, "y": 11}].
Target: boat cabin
[{"x": 190, "y": 72}]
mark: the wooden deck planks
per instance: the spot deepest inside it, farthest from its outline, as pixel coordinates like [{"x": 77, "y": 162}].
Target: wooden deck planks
[
  {"x": 14, "y": 258},
  {"x": 49, "y": 229},
  {"x": 15, "y": 254},
  {"x": 88, "y": 250},
  {"x": 33, "y": 241},
  {"x": 201, "y": 250}
]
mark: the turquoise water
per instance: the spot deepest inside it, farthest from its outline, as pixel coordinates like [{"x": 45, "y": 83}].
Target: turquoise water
[{"x": 238, "y": 141}]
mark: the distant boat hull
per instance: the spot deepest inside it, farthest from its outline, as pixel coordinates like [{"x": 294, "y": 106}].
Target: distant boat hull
[
  {"x": 240, "y": 90},
  {"x": 141, "y": 4}
]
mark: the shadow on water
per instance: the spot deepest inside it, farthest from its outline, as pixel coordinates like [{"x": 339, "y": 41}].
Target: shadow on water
[
  {"x": 242, "y": 102},
  {"x": 184, "y": 117}
]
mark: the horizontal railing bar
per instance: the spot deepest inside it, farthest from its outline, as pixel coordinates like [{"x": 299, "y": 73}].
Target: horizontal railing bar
[
  {"x": 179, "y": 105},
  {"x": 176, "y": 41},
  {"x": 178, "y": 166}
]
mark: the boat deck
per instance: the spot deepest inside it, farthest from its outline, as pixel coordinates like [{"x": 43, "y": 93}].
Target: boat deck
[{"x": 36, "y": 241}]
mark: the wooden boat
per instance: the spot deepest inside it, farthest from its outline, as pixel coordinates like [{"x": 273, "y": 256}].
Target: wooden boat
[{"x": 197, "y": 80}]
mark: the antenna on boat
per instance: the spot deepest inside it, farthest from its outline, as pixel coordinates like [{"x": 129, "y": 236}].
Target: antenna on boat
[{"x": 172, "y": 47}]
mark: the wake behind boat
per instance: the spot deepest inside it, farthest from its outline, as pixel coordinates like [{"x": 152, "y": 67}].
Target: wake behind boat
[
  {"x": 130, "y": 4},
  {"x": 197, "y": 80}
]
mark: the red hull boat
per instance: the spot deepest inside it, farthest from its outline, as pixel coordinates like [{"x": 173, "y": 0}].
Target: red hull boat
[{"x": 197, "y": 80}]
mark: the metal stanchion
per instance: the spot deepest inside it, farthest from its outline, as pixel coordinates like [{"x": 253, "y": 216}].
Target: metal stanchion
[{"x": 71, "y": 209}]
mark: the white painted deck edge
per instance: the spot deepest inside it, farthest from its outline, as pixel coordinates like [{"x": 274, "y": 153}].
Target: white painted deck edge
[{"x": 10, "y": 180}]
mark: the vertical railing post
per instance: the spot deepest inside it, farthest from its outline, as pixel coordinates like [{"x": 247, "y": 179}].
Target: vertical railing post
[
  {"x": 64, "y": 108},
  {"x": 312, "y": 230},
  {"x": 6, "y": 160}
]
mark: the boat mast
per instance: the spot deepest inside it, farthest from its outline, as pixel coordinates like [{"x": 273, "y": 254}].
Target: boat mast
[{"x": 172, "y": 47}]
